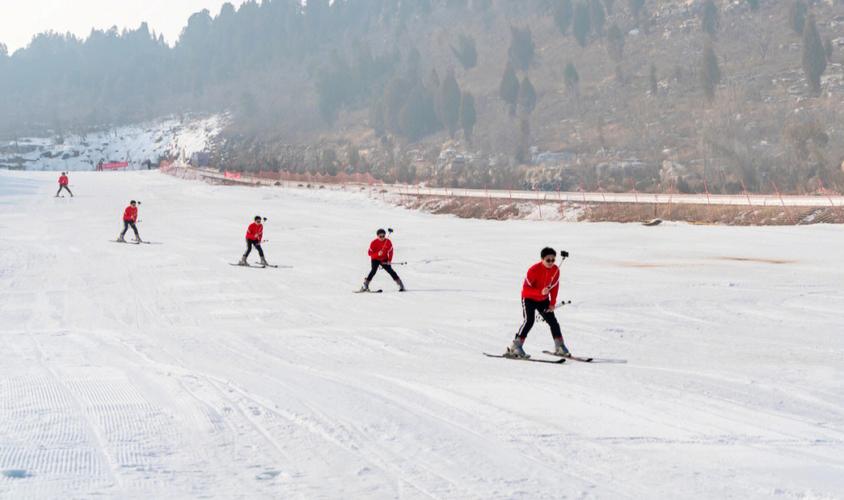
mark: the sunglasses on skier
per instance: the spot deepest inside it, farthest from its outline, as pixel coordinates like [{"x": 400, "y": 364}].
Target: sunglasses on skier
[{"x": 550, "y": 260}]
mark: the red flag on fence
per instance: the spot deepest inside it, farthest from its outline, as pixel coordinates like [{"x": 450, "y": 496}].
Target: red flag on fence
[{"x": 114, "y": 165}]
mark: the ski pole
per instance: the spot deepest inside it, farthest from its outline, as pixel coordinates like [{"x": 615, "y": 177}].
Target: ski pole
[
  {"x": 561, "y": 304},
  {"x": 563, "y": 256}
]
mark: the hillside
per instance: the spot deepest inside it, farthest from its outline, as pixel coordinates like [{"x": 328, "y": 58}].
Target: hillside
[
  {"x": 141, "y": 146},
  {"x": 616, "y": 99}
]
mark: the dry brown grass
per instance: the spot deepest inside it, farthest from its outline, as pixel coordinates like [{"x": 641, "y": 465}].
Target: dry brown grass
[{"x": 502, "y": 209}]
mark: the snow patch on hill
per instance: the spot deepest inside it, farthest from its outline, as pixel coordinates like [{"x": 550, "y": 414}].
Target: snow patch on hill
[{"x": 137, "y": 144}]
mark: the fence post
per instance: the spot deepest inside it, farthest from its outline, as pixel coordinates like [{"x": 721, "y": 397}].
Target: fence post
[
  {"x": 671, "y": 190},
  {"x": 744, "y": 188},
  {"x": 776, "y": 189},
  {"x": 824, "y": 191}
]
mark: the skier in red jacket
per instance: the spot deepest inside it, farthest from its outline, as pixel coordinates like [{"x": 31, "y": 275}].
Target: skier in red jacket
[
  {"x": 539, "y": 294},
  {"x": 381, "y": 255},
  {"x": 130, "y": 217},
  {"x": 63, "y": 182},
  {"x": 254, "y": 237}
]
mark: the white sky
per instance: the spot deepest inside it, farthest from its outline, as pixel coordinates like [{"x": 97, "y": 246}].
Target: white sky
[{"x": 21, "y": 19}]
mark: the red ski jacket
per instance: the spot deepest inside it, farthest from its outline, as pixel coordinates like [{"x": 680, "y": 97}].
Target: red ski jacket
[
  {"x": 130, "y": 214},
  {"x": 63, "y": 180},
  {"x": 381, "y": 251},
  {"x": 539, "y": 277},
  {"x": 255, "y": 232}
]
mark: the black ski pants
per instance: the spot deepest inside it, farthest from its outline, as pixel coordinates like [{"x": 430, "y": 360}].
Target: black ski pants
[
  {"x": 387, "y": 267},
  {"x": 126, "y": 225},
  {"x": 529, "y": 310},
  {"x": 257, "y": 245},
  {"x": 62, "y": 186}
]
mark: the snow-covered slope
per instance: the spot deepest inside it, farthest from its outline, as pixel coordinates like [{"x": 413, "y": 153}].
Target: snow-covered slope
[
  {"x": 135, "y": 144},
  {"x": 159, "y": 371}
]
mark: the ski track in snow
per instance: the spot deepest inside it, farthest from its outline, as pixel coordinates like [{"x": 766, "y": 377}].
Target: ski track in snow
[{"x": 161, "y": 371}]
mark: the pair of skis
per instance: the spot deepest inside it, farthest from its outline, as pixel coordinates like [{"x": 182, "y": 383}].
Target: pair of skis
[
  {"x": 257, "y": 266},
  {"x": 135, "y": 242},
  {"x": 379, "y": 290},
  {"x": 559, "y": 361}
]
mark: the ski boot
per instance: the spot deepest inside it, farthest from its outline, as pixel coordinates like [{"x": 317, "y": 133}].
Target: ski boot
[
  {"x": 364, "y": 287},
  {"x": 264, "y": 262},
  {"x": 515, "y": 350},
  {"x": 401, "y": 285},
  {"x": 120, "y": 239},
  {"x": 243, "y": 261},
  {"x": 560, "y": 348}
]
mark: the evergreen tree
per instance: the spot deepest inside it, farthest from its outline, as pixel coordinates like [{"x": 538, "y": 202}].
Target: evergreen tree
[
  {"x": 395, "y": 97},
  {"x": 376, "y": 117},
  {"x": 827, "y": 47},
  {"x": 597, "y": 16},
  {"x": 522, "y": 48},
  {"x": 333, "y": 89},
  {"x": 582, "y": 24},
  {"x": 754, "y": 5},
  {"x": 710, "y": 72},
  {"x": 527, "y": 97},
  {"x": 636, "y": 9},
  {"x": 413, "y": 65},
  {"x": 814, "y": 55},
  {"x": 797, "y": 16},
  {"x": 4, "y": 59},
  {"x": 508, "y": 90},
  {"x": 527, "y": 103},
  {"x": 563, "y": 14},
  {"x": 417, "y": 117},
  {"x": 449, "y": 103},
  {"x": 615, "y": 43},
  {"x": 466, "y": 52},
  {"x": 571, "y": 79},
  {"x": 468, "y": 115},
  {"x": 709, "y": 18}
]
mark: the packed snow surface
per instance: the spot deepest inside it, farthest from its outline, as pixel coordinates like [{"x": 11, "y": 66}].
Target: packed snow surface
[
  {"x": 135, "y": 144},
  {"x": 160, "y": 371}
]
